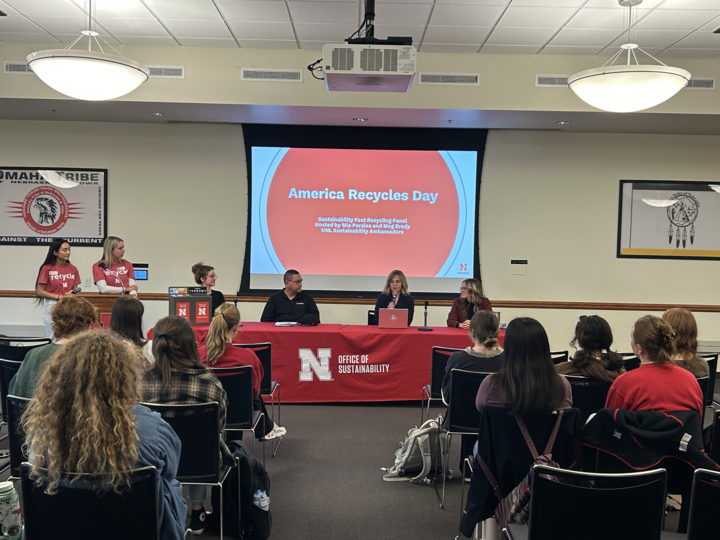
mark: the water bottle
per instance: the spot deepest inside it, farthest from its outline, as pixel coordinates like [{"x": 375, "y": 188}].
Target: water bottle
[
  {"x": 10, "y": 516},
  {"x": 261, "y": 500}
]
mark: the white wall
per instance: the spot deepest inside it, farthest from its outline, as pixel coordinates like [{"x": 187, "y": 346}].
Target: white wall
[{"x": 177, "y": 195}]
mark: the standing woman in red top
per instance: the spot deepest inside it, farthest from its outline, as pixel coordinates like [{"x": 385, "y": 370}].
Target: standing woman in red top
[
  {"x": 113, "y": 274},
  {"x": 219, "y": 352},
  {"x": 471, "y": 300},
  {"x": 55, "y": 278}
]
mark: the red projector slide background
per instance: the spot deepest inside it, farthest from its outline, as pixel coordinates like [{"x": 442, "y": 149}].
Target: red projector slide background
[{"x": 421, "y": 249}]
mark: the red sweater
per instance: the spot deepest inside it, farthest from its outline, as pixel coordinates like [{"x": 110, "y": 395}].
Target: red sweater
[
  {"x": 659, "y": 387},
  {"x": 236, "y": 356}
]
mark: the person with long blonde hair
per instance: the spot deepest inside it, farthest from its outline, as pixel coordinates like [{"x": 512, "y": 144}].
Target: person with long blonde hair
[
  {"x": 470, "y": 301},
  {"x": 686, "y": 344},
  {"x": 395, "y": 295},
  {"x": 86, "y": 419},
  {"x": 112, "y": 274}
]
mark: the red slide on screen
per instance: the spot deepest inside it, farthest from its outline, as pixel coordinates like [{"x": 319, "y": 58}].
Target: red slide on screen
[{"x": 399, "y": 209}]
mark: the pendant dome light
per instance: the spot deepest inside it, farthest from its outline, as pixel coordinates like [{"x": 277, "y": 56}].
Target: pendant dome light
[{"x": 631, "y": 87}]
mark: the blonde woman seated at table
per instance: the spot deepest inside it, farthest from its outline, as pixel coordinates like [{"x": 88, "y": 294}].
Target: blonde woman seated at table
[
  {"x": 471, "y": 300},
  {"x": 683, "y": 322},
  {"x": 395, "y": 295}
]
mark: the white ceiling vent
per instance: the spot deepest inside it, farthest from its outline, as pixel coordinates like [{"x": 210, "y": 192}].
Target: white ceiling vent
[
  {"x": 551, "y": 81},
  {"x": 706, "y": 83},
  {"x": 271, "y": 75},
  {"x": 450, "y": 79},
  {"x": 16, "y": 68},
  {"x": 166, "y": 72}
]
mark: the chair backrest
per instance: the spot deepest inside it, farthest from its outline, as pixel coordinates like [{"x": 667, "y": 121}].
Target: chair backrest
[
  {"x": 715, "y": 443},
  {"x": 704, "y": 502},
  {"x": 237, "y": 382},
  {"x": 15, "y": 348},
  {"x": 631, "y": 362},
  {"x": 15, "y": 406},
  {"x": 566, "y": 505},
  {"x": 197, "y": 427},
  {"x": 588, "y": 395},
  {"x": 463, "y": 416},
  {"x": 438, "y": 363},
  {"x": 264, "y": 353},
  {"x": 559, "y": 356},
  {"x": 712, "y": 360},
  {"x": 103, "y": 514},
  {"x": 371, "y": 317},
  {"x": 8, "y": 369},
  {"x": 704, "y": 383}
]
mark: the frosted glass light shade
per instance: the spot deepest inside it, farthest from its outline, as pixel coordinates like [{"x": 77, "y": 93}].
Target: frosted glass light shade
[
  {"x": 87, "y": 75},
  {"x": 628, "y": 88}
]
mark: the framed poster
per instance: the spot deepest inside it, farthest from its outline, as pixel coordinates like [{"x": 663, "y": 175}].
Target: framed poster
[
  {"x": 41, "y": 204},
  {"x": 669, "y": 219}
]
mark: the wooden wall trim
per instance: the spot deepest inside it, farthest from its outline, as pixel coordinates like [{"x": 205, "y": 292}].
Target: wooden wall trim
[{"x": 590, "y": 307}]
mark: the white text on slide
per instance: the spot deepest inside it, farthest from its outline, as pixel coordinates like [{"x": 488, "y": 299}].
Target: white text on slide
[
  {"x": 354, "y": 194},
  {"x": 348, "y": 225}
]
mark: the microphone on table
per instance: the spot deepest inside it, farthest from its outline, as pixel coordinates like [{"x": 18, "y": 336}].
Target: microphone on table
[
  {"x": 425, "y": 328},
  {"x": 75, "y": 291}
]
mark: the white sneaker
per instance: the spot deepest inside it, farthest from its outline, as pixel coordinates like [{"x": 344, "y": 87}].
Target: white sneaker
[{"x": 275, "y": 433}]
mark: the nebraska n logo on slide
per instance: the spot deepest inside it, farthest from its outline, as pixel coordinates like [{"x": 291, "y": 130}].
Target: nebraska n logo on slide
[{"x": 310, "y": 363}]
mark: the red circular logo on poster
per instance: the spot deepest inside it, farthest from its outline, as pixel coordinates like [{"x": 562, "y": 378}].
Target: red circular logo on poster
[
  {"x": 45, "y": 210},
  {"x": 362, "y": 212}
]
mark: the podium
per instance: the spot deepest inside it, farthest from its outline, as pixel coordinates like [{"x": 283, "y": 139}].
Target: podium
[{"x": 191, "y": 303}]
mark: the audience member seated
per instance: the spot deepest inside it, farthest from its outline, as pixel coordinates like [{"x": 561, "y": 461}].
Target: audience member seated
[
  {"x": 685, "y": 327},
  {"x": 218, "y": 351},
  {"x": 126, "y": 321},
  {"x": 70, "y": 316},
  {"x": 396, "y": 284},
  {"x": 658, "y": 384},
  {"x": 594, "y": 336},
  {"x": 106, "y": 433},
  {"x": 291, "y": 304},
  {"x": 471, "y": 300},
  {"x": 178, "y": 377}
]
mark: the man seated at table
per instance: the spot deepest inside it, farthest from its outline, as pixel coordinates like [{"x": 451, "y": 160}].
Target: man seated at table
[{"x": 291, "y": 304}]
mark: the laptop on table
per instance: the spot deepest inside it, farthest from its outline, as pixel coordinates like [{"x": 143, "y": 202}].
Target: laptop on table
[{"x": 392, "y": 318}]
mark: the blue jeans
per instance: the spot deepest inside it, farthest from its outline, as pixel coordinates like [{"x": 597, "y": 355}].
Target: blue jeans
[
  {"x": 196, "y": 494},
  {"x": 47, "y": 320}
]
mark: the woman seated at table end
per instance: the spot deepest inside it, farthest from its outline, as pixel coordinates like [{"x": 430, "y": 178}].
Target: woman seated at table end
[
  {"x": 395, "y": 295},
  {"x": 471, "y": 300},
  {"x": 205, "y": 275}
]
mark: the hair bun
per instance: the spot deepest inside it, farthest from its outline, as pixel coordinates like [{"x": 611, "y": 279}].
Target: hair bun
[{"x": 668, "y": 336}]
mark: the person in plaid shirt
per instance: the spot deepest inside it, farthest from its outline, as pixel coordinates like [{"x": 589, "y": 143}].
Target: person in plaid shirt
[{"x": 178, "y": 378}]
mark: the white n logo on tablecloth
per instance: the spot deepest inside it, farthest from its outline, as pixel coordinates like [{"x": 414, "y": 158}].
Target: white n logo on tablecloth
[{"x": 310, "y": 363}]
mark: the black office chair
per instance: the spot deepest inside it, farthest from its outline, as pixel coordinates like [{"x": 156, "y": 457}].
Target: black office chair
[
  {"x": 631, "y": 362},
  {"x": 267, "y": 385},
  {"x": 559, "y": 356},
  {"x": 588, "y": 394},
  {"x": 704, "y": 502},
  {"x": 463, "y": 417},
  {"x": 15, "y": 348},
  {"x": 371, "y": 317},
  {"x": 8, "y": 369},
  {"x": 433, "y": 391},
  {"x": 237, "y": 382},
  {"x": 104, "y": 513},
  {"x": 567, "y": 505},
  {"x": 15, "y": 407},
  {"x": 715, "y": 441},
  {"x": 198, "y": 427},
  {"x": 704, "y": 383},
  {"x": 712, "y": 360}
]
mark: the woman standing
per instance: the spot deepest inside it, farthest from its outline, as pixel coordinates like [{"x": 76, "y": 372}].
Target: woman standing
[
  {"x": 683, "y": 322},
  {"x": 126, "y": 321},
  {"x": 56, "y": 277},
  {"x": 594, "y": 336},
  {"x": 471, "y": 300},
  {"x": 113, "y": 274},
  {"x": 395, "y": 295},
  {"x": 205, "y": 275}
]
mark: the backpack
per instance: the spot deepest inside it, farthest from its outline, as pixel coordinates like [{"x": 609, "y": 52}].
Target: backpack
[
  {"x": 515, "y": 507},
  {"x": 419, "y": 454},
  {"x": 255, "y": 519}
]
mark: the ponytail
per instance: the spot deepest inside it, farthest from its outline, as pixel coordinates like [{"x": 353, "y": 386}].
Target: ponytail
[
  {"x": 226, "y": 317},
  {"x": 657, "y": 337}
]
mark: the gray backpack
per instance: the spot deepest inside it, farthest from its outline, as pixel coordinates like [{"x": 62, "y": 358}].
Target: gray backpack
[{"x": 419, "y": 453}]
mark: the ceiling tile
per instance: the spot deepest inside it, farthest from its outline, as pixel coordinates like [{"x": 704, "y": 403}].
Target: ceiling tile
[
  {"x": 206, "y": 42},
  {"x": 676, "y": 19},
  {"x": 689, "y": 53},
  {"x": 402, "y": 14},
  {"x": 509, "y": 49},
  {"x": 27, "y": 38},
  {"x": 613, "y": 4},
  {"x": 43, "y": 8},
  {"x": 61, "y": 25},
  {"x": 550, "y": 49},
  {"x": 465, "y": 15},
  {"x": 599, "y": 18},
  {"x": 133, "y": 27},
  {"x": 331, "y": 33},
  {"x": 520, "y": 36},
  {"x": 324, "y": 12},
  {"x": 312, "y": 45},
  {"x": 575, "y": 37},
  {"x": 254, "y": 10},
  {"x": 456, "y": 34},
  {"x": 69, "y": 38},
  {"x": 16, "y": 23},
  {"x": 146, "y": 40},
  {"x": 262, "y": 30},
  {"x": 267, "y": 44},
  {"x": 654, "y": 38},
  {"x": 549, "y": 3},
  {"x": 449, "y": 48},
  {"x": 197, "y": 29},
  {"x": 689, "y": 4},
  {"x": 123, "y": 9},
  {"x": 203, "y": 10},
  {"x": 533, "y": 17},
  {"x": 415, "y": 32},
  {"x": 383, "y": 2},
  {"x": 700, "y": 40},
  {"x": 475, "y": 2}
]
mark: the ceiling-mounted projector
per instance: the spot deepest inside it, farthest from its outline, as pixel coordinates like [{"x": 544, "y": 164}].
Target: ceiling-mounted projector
[{"x": 369, "y": 68}]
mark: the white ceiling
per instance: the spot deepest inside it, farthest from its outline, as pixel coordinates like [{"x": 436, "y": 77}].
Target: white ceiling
[{"x": 670, "y": 28}]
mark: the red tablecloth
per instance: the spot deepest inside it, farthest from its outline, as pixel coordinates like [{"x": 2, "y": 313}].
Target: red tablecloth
[{"x": 335, "y": 362}]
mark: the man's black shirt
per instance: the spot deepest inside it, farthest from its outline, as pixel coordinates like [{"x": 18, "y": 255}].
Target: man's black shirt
[{"x": 280, "y": 308}]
